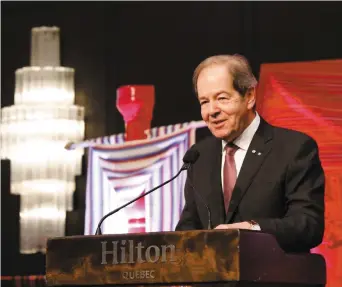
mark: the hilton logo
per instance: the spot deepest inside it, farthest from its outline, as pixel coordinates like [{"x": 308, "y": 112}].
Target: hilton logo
[{"x": 123, "y": 253}]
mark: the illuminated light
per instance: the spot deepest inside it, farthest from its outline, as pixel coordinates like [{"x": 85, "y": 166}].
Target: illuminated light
[{"x": 34, "y": 133}]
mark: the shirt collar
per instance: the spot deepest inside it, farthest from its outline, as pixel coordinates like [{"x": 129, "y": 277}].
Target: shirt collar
[{"x": 244, "y": 140}]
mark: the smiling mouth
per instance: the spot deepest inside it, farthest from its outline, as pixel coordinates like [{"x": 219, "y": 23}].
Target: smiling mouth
[{"x": 218, "y": 122}]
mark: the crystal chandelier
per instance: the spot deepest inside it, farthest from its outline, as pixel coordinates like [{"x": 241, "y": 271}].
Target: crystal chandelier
[{"x": 34, "y": 132}]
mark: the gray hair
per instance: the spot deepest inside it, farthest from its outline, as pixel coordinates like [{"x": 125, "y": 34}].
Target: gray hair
[{"x": 239, "y": 68}]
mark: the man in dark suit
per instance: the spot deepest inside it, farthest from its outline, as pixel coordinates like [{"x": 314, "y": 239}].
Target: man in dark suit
[{"x": 251, "y": 174}]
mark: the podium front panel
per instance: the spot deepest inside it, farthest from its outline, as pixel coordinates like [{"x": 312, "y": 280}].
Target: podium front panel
[{"x": 140, "y": 259}]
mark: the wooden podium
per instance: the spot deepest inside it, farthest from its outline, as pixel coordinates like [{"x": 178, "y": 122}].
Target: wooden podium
[{"x": 197, "y": 258}]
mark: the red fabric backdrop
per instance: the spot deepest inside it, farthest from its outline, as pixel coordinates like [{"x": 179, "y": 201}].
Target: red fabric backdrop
[{"x": 307, "y": 96}]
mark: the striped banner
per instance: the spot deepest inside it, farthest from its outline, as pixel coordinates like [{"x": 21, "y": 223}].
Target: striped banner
[
  {"x": 119, "y": 172},
  {"x": 120, "y": 138}
]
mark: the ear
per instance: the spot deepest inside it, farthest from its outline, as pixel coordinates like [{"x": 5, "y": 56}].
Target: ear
[{"x": 251, "y": 98}]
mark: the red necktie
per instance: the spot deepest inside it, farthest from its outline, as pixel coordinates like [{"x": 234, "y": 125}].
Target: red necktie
[{"x": 229, "y": 173}]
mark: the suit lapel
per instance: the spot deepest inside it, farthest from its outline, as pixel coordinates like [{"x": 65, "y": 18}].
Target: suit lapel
[
  {"x": 256, "y": 154},
  {"x": 215, "y": 197}
]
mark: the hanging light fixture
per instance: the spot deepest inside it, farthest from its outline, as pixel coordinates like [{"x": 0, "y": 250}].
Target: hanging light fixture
[{"x": 34, "y": 132}]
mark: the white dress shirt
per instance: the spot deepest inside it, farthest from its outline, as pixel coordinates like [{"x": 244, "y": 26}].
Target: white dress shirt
[{"x": 243, "y": 141}]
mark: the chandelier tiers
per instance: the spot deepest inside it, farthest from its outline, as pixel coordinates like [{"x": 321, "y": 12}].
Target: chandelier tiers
[{"x": 34, "y": 132}]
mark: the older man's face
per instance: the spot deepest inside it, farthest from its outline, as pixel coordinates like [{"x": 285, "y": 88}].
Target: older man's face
[{"x": 223, "y": 109}]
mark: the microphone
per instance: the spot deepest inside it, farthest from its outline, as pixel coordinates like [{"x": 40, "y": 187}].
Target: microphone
[
  {"x": 189, "y": 158},
  {"x": 207, "y": 207}
]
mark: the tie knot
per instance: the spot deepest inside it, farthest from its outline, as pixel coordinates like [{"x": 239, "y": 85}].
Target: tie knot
[{"x": 231, "y": 148}]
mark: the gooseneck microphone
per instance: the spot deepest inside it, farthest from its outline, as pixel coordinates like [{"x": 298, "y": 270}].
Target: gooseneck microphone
[
  {"x": 206, "y": 205},
  {"x": 189, "y": 158}
]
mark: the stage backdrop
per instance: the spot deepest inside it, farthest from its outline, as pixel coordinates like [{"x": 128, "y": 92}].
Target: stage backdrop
[
  {"x": 119, "y": 171},
  {"x": 307, "y": 96}
]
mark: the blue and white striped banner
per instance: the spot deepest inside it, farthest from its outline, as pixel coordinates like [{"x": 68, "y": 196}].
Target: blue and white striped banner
[{"x": 119, "y": 171}]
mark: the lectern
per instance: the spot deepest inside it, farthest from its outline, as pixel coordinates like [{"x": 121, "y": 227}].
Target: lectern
[{"x": 196, "y": 258}]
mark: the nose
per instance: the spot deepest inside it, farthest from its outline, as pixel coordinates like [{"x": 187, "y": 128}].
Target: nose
[{"x": 213, "y": 109}]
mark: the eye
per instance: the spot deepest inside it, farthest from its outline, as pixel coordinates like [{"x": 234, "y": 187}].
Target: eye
[
  {"x": 223, "y": 96},
  {"x": 203, "y": 102}
]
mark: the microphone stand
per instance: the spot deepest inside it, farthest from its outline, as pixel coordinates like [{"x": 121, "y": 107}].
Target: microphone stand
[{"x": 98, "y": 230}]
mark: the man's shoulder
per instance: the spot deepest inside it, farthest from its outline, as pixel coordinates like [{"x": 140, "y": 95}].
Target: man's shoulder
[
  {"x": 287, "y": 134},
  {"x": 208, "y": 148},
  {"x": 290, "y": 139},
  {"x": 208, "y": 143}
]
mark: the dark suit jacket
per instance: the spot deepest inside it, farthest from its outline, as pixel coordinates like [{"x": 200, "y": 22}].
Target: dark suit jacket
[{"x": 282, "y": 189}]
